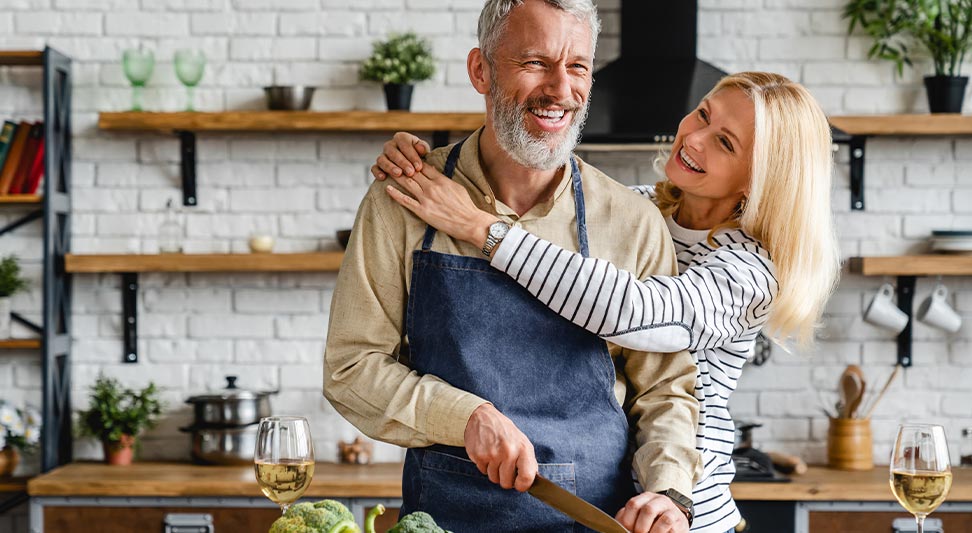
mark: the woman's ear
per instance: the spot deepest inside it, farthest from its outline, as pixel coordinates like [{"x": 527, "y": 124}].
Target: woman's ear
[{"x": 478, "y": 70}]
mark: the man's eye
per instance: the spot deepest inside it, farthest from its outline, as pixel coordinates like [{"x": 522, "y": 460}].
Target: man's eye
[{"x": 727, "y": 144}]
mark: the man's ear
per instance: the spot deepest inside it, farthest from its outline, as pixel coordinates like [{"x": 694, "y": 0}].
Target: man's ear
[{"x": 478, "y": 68}]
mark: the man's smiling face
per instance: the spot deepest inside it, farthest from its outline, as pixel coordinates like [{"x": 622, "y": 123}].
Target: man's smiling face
[{"x": 540, "y": 82}]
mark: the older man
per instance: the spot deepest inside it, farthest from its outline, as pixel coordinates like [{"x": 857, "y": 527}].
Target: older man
[{"x": 431, "y": 349}]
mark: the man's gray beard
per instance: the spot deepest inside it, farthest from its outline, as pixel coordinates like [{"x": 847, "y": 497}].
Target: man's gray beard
[{"x": 532, "y": 152}]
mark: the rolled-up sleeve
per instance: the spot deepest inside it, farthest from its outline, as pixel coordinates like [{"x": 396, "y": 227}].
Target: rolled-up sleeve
[
  {"x": 660, "y": 399},
  {"x": 363, "y": 377}
]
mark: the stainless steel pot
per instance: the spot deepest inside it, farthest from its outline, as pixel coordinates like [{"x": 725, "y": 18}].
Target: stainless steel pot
[
  {"x": 289, "y": 97},
  {"x": 744, "y": 435},
  {"x": 224, "y": 446},
  {"x": 230, "y": 407}
]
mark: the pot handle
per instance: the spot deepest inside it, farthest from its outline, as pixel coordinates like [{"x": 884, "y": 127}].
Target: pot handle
[{"x": 231, "y": 382}]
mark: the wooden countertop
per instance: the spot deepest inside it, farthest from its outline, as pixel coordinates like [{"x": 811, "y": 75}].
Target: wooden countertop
[{"x": 384, "y": 481}]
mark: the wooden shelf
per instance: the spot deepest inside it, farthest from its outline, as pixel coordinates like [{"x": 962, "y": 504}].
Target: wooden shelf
[
  {"x": 913, "y": 265},
  {"x": 937, "y": 124},
  {"x": 13, "y": 484},
  {"x": 21, "y": 199},
  {"x": 239, "y": 121},
  {"x": 21, "y": 57},
  {"x": 20, "y": 344},
  {"x": 303, "y": 262}
]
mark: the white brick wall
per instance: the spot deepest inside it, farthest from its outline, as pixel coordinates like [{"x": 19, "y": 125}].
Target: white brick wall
[{"x": 269, "y": 329}]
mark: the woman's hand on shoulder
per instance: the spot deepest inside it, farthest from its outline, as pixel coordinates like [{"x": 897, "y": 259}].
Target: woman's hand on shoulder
[{"x": 401, "y": 155}]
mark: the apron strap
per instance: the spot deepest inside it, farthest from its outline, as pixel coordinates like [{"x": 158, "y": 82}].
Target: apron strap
[
  {"x": 579, "y": 211},
  {"x": 450, "y": 168}
]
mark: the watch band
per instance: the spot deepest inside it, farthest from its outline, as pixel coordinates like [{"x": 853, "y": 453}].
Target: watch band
[
  {"x": 494, "y": 235},
  {"x": 683, "y": 503}
]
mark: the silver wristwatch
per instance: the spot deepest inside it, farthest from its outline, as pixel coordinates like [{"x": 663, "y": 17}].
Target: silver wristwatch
[{"x": 497, "y": 230}]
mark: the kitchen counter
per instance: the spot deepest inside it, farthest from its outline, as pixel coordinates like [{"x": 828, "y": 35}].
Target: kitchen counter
[{"x": 384, "y": 481}]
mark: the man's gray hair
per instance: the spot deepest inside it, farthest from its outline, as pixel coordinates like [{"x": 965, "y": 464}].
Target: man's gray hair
[{"x": 492, "y": 20}]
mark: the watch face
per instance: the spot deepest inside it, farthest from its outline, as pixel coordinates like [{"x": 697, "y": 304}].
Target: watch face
[{"x": 498, "y": 230}]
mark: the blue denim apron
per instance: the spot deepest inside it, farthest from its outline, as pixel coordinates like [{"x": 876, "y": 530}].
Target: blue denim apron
[{"x": 477, "y": 329}]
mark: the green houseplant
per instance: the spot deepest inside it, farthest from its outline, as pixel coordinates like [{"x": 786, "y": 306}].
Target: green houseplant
[
  {"x": 11, "y": 283},
  {"x": 942, "y": 27},
  {"x": 116, "y": 415},
  {"x": 397, "y": 63}
]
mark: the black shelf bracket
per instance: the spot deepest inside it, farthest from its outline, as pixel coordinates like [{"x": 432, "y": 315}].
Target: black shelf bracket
[
  {"x": 906, "y": 296},
  {"x": 29, "y": 217},
  {"x": 130, "y": 316},
  {"x": 33, "y": 326},
  {"x": 187, "y": 153},
  {"x": 856, "y": 144}
]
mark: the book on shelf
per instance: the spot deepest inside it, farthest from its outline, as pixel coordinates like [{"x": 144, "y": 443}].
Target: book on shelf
[
  {"x": 14, "y": 156},
  {"x": 6, "y": 138},
  {"x": 34, "y": 139},
  {"x": 36, "y": 171}
]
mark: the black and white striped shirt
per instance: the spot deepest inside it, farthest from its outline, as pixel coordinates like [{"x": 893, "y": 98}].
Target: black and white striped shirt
[{"x": 715, "y": 308}]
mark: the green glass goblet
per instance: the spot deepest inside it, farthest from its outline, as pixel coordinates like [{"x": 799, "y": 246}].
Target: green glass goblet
[
  {"x": 138, "y": 65},
  {"x": 189, "y": 64}
]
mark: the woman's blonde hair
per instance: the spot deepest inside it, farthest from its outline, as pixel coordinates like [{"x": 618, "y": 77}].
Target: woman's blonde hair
[{"x": 788, "y": 204}]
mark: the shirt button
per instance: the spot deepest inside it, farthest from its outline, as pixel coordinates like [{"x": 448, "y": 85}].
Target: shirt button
[{"x": 487, "y": 199}]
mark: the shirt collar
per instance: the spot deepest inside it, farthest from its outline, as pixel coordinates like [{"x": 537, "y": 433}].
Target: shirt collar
[{"x": 483, "y": 196}]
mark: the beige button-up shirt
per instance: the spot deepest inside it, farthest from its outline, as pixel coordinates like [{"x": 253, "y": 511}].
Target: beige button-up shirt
[{"x": 370, "y": 385}]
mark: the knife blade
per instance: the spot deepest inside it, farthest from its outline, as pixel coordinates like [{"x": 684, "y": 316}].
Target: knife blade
[{"x": 573, "y": 506}]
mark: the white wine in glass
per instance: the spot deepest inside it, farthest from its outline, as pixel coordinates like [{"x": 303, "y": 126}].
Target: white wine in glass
[
  {"x": 284, "y": 458},
  {"x": 920, "y": 472}
]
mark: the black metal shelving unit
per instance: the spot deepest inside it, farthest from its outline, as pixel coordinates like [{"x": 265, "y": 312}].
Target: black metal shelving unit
[{"x": 55, "y": 211}]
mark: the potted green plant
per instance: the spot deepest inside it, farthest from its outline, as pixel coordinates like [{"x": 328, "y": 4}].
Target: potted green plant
[
  {"x": 19, "y": 433},
  {"x": 397, "y": 63},
  {"x": 942, "y": 27},
  {"x": 116, "y": 415},
  {"x": 11, "y": 283}
]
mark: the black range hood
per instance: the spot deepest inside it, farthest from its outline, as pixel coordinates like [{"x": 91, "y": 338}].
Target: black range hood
[{"x": 642, "y": 96}]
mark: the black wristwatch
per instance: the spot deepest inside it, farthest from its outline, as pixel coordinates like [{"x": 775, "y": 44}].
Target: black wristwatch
[{"x": 684, "y": 503}]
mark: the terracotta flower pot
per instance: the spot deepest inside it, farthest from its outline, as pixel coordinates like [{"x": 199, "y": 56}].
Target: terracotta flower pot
[
  {"x": 121, "y": 452},
  {"x": 9, "y": 459}
]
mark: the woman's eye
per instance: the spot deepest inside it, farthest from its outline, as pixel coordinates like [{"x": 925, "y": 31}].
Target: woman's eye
[
  {"x": 727, "y": 144},
  {"x": 704, "y": 115}
]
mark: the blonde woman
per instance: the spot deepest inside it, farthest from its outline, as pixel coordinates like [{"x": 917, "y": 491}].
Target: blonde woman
[{"x": 747, "y": 201}]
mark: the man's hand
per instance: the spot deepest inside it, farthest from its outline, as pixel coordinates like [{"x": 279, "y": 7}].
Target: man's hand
[
  {"x": 652, "y": 513},
  {"x": 499, "y": 449}
]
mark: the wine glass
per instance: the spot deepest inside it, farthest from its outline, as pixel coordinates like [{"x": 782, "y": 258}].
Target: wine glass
[
  {"x": 138, "y": 65},
  {"x": 284, "y": 458},
  {"x": 920, "y": 474},
  {"x": 189, "y": 64}
]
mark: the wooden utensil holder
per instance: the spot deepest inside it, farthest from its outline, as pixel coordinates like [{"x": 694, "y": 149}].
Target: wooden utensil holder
[{"x": 849, "y": 444}]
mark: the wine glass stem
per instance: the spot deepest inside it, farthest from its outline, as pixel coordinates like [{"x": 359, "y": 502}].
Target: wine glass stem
[
  {"x": 190, "y": 92},
  {"x": 136, "y": 98},
  {"x": 920, "y": 519}
]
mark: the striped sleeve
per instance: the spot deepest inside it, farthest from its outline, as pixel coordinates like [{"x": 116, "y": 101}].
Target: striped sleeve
[{"x": 725, "y": 297}]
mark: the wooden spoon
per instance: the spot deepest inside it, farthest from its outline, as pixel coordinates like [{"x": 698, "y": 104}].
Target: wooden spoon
[{"x": 851, "y": 390}]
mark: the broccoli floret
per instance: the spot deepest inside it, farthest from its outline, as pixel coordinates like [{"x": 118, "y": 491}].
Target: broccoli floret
[
  {"x": 325, "y": 516},
  {"x": 417, "y": 522},
  {"x": 289, "y": 525}
]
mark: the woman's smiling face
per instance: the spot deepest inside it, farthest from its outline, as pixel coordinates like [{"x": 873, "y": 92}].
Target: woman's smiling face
[{"x": 713, "y": 151}]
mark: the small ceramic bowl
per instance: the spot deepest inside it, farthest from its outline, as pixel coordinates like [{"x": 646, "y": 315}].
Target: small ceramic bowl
[{"x": 262, "y": 244}]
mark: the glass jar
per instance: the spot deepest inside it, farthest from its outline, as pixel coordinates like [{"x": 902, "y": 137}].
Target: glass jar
[
  {"x": 170, "y": 232},
  {"x": 965, "y": 448}
]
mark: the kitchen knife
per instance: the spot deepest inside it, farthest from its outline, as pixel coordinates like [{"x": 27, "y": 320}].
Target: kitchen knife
[{"x": 562, "y": 500}]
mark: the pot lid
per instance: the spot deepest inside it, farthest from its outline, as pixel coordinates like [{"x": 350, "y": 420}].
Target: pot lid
[{"x": 231, "y": 392}]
